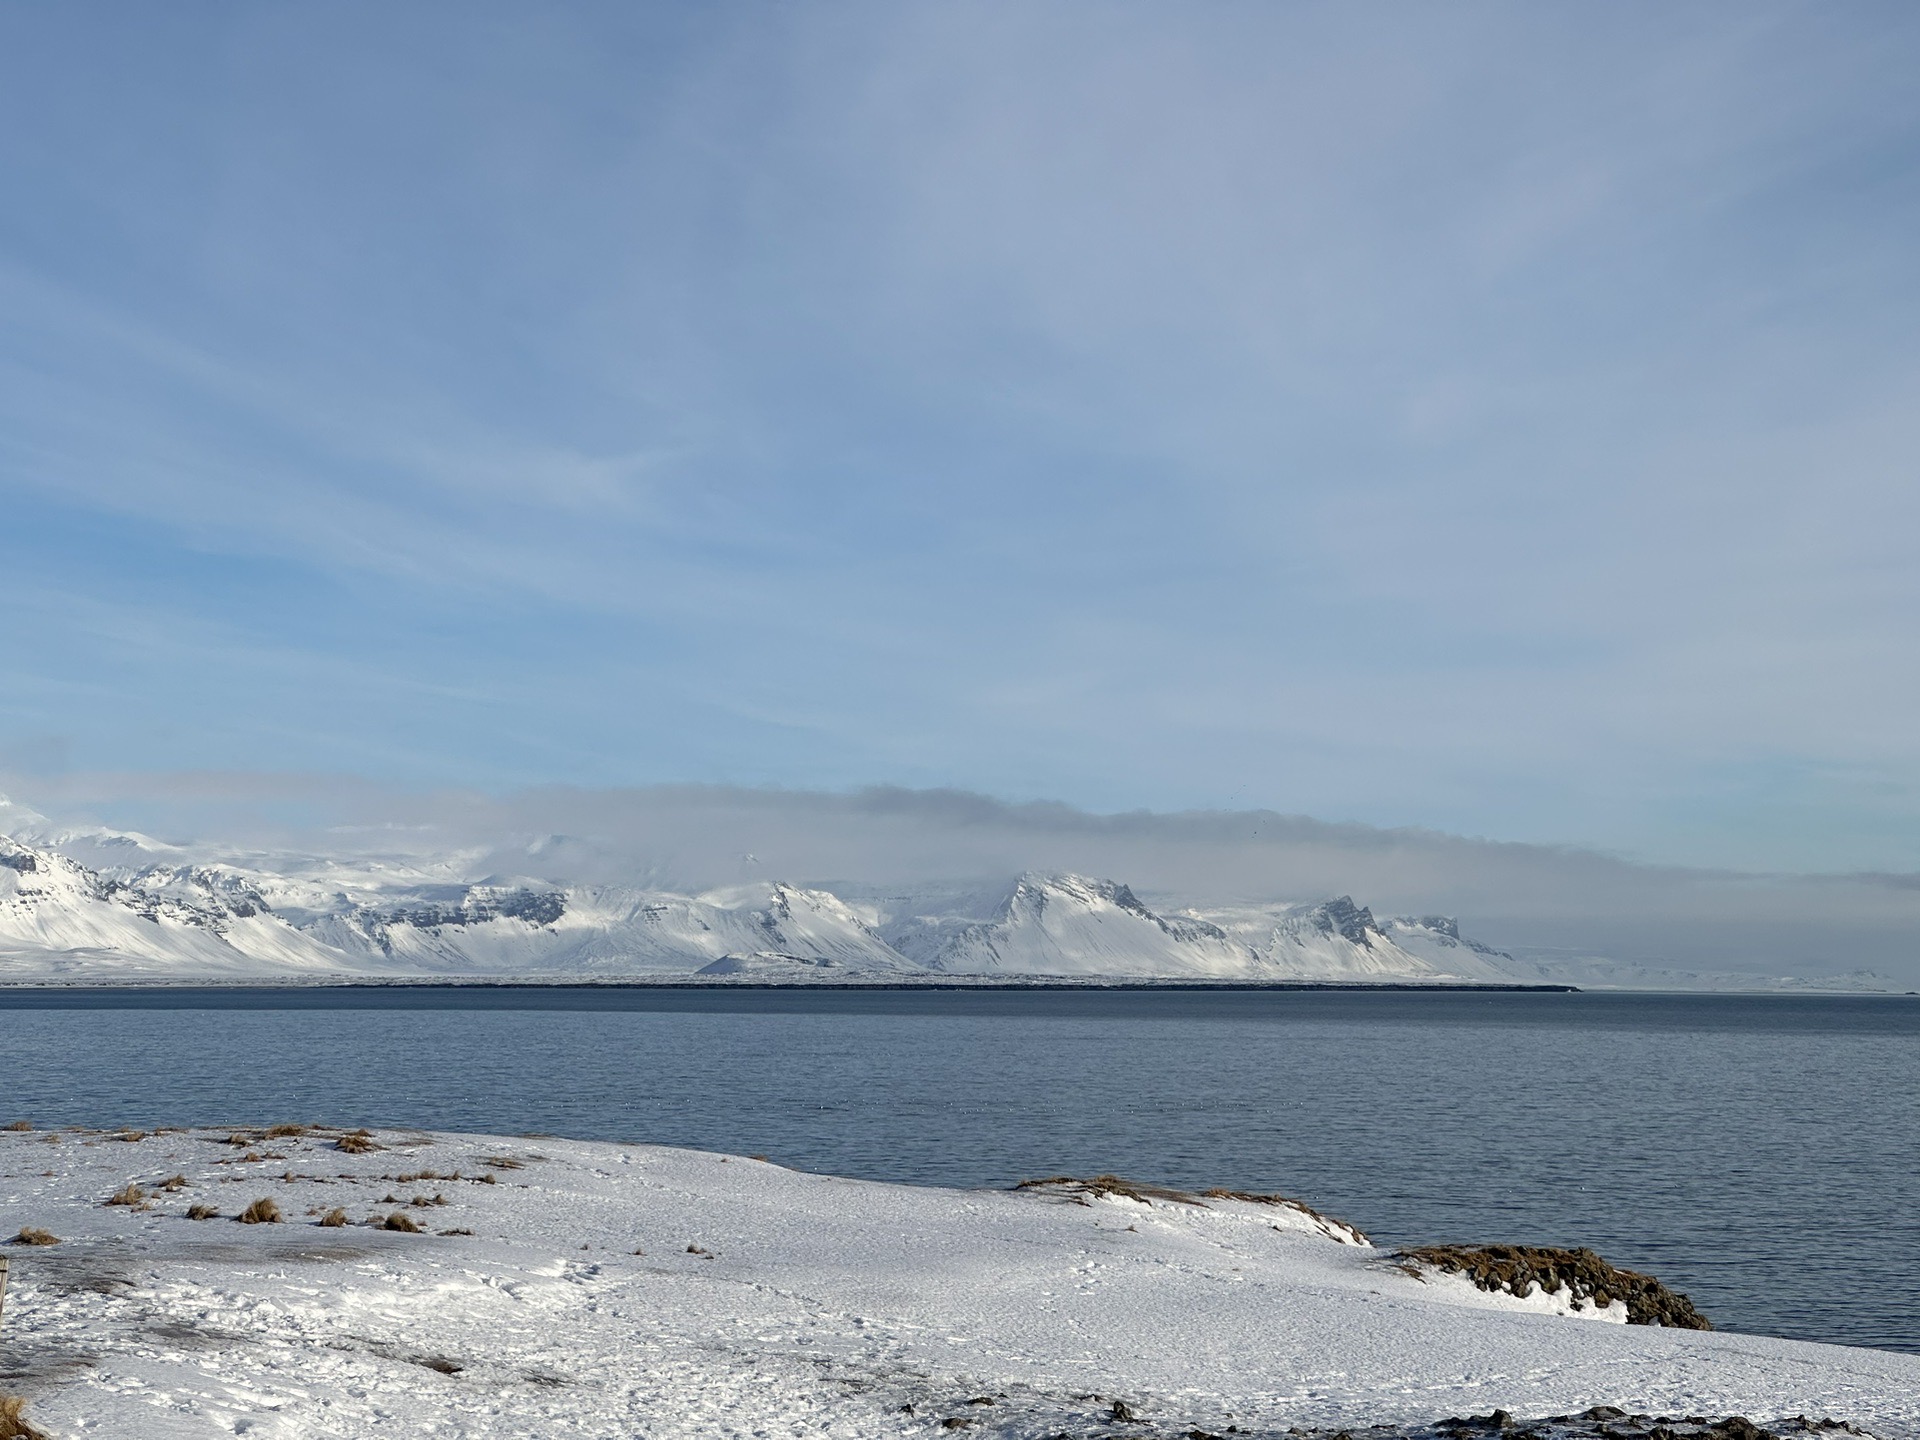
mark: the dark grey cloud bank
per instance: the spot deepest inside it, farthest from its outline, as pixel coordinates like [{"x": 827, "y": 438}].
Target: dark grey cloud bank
[{"x": 1548, "y": 901}]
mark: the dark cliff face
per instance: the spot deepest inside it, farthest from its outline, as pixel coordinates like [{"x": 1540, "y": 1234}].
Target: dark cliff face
[
  {"x": 1342, "y": 917},
  {"x": 536, "y": 907}
]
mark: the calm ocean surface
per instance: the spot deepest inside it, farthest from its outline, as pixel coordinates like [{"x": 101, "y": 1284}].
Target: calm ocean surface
[{"x": 1760, "y": 1153}]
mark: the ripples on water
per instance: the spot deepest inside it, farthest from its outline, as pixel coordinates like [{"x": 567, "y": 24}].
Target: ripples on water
[{"x": 1758, "y": 1152}]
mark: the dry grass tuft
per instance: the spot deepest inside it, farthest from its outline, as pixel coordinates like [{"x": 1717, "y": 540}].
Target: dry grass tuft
[
  {"x": 358, "y": 1143},
  {"x": 334, "y": 1219},
  {"x": 131, "y": 1137},
  {"x": 504, "y": 1162},
  {"x": 1336, "y": 1228},
  {"x": 260, "y": 1212},
  {"x": 130, "y": 1195},
  {"x": 275, "y": 1132},
  {"x": 21, "y": 1125},
  {"x": 174, "y": 1182},
  {"x": 1099, "y": 1187},
  {"x": 203, "y": 1212},
  {"x": 13, "y": 1420},
  {"x": 456, "y": 1232},
  {"x": 33, "y": 1235},
  {"x": 400, "y": 1221}
]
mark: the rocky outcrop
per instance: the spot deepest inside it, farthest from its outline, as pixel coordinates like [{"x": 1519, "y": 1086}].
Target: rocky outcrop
[{"x": 1587, "y": 1279}]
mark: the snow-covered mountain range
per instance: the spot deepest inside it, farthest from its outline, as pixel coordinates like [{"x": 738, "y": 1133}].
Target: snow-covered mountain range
[{"x": 101, "y": 904}]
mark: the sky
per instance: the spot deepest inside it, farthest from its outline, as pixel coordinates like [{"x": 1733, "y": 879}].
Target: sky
[{"x": 1495, "y": 419}]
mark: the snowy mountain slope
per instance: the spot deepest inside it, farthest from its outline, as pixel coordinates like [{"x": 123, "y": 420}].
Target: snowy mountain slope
[
  {"x": 1338, "y": 940},
  {"x": 57, "y": 915},
  {"x": 528, "y": 929},
  {"x": 1072, "y": 925},
  {"x": 1069, "y": 925},
  {"x": 143, "y": 908}
]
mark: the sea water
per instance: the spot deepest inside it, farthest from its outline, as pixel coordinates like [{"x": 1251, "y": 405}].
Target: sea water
[{"x": 1761, "y": 1153}]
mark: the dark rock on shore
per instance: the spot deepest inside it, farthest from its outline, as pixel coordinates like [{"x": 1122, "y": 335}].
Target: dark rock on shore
[{"x": 1602, "y": 1422}]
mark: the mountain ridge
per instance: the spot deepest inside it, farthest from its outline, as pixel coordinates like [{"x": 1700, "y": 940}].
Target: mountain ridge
[{"x": 158, "y": 912}]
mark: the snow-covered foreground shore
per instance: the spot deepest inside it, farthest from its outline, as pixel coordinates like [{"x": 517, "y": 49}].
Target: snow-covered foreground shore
[{"x": 765, "y": 1302}]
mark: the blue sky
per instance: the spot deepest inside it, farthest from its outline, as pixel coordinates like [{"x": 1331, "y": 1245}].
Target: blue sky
[{"x": 1501, "y": 419}]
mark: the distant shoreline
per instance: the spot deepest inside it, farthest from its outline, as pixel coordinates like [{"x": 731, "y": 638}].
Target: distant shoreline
[{"x": 411, "y": 982}]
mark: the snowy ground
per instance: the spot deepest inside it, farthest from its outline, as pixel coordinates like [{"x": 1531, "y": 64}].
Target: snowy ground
[{"x": 765, "y": 1302}]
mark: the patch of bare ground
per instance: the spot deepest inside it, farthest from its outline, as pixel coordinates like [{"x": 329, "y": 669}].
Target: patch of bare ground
[
  {"x": 1609, "y": 1422},
  {"x": 1602, "y": 1422},
  {"x": 1587, "y": 1279},
  {"x": 1098, "y": 1187}
]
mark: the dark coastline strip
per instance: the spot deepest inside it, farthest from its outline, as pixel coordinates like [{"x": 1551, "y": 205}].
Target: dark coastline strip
[{"x": 28, "y": 992}]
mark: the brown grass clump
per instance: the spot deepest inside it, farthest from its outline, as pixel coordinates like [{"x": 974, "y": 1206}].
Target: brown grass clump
[
  {"x": 400, "y": 1221},
  {"x": 275, "y": 1132},
  {"x": 358, "y": 1143},
  {"x": 131, "y": 1137},
  {"x": 21, "y": 1125},
  {"x": 13, "y": 1420},
  {"x": 1518, "y": 1269},
  {"x": 260, "y": 1212},
  {"x": 33, "y": 1235},
  {"x": 1098, "y": 1187},
  {"x": 333, "y": 1219},
  {"x": 129, "y": 1194},
  {"x": 1339, "y": 1229},
  {"x": 504, "y": 1162},
  {"x": 203, "y": 1212},
  {"x": 174, "y": 1182}
]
